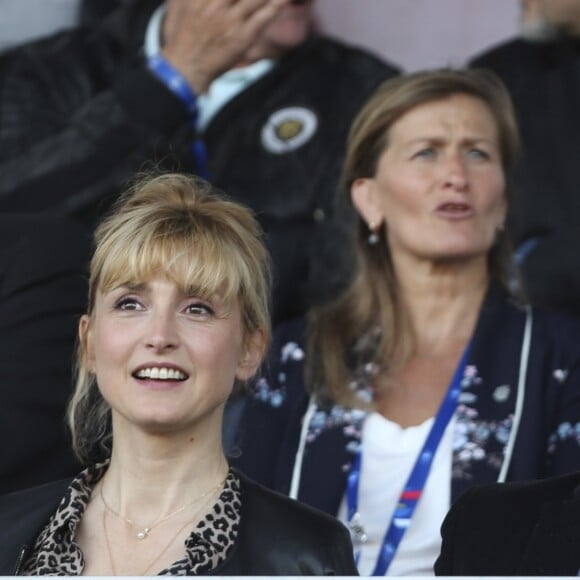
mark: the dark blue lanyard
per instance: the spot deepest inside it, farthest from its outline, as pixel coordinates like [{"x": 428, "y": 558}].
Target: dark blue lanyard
[
  {"x": 414, "y": 486},
  {"x": 200, "y": 155},
  {"x": 179, "y": 86}
]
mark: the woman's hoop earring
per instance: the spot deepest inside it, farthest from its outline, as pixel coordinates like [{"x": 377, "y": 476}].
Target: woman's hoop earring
[{"x": 373, "y": 238}]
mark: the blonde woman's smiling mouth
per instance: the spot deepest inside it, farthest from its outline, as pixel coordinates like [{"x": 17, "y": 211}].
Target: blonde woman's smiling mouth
[{"x": 160, "y": 372}]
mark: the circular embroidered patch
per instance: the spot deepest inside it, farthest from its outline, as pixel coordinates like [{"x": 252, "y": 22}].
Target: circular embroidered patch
[{"x": 288, "y": 129}]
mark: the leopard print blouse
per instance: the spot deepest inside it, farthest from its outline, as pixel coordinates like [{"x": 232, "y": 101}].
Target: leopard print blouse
[{"x": 56, "y": 553}]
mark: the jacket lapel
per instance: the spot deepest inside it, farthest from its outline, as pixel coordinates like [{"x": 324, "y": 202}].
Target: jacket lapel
[
  {"x": 487, "y": 403},
  {"x": 333, "y": 438}
]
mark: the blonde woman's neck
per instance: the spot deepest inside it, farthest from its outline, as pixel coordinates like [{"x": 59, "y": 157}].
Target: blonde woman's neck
[{"x": 156, "y": 474}]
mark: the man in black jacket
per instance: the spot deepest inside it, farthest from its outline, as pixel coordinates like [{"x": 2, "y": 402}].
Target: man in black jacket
[
  {"x": 82, "y": 111},
  {"x": 542, "y": 72}
]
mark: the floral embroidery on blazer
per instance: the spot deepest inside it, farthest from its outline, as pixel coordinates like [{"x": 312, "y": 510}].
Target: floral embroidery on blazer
[{"x": 548, "y": 437}]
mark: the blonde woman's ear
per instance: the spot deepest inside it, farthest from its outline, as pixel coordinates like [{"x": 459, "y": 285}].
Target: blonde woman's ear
[
  {"x": 86, "y": 342},
  {"x": 251, "y": 359}
]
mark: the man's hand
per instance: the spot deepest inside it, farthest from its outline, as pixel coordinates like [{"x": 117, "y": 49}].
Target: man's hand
[{"x": 205, "y": 38}]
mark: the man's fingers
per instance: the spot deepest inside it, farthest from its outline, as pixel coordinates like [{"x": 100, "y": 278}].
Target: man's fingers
[
  {"x": 204, "y": 38},
  {"x": 259, "y": 18},
  {"x": 187, "y": 13},
  {"x": 258, "y": 9}
]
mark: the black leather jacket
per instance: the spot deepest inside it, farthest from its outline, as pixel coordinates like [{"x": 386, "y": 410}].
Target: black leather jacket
[{"x": 277, "y": 536}]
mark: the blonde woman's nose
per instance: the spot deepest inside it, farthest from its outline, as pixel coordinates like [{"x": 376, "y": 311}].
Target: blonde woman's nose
[{"x": 161, "y": 332}]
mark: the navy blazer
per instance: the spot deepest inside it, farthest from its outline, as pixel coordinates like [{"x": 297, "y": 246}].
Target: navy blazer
[{"x": 546, "y": 440}]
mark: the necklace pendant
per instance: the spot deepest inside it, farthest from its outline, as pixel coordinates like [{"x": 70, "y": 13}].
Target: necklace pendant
[
  {"x": 357, "y": 531},
  {"x": 143, "y": 533}
]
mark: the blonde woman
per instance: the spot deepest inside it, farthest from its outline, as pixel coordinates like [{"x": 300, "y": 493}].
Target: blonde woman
[{"x": 178, "y": 312}]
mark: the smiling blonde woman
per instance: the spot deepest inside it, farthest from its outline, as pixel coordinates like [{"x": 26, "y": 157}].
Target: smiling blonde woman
[{"x": 178, "y": 313}]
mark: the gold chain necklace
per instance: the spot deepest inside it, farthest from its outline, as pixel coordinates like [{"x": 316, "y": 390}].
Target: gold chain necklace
[
  {"x": 143, "y": 532},
  {"x": 168, "y": 545},
  {"x": 110, "y": 553}
]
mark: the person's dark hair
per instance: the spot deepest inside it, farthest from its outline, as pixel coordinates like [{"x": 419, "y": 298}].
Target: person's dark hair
[
  {"x": 177, "y": 226},
  {"x": 344, "y": 332}
]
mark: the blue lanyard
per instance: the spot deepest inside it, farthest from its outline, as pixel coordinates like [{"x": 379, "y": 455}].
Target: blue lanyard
[
  {"x": 414, "y": 486},
  {"x": 179, "y": 86},
  {"x": 200, "y": 155}
]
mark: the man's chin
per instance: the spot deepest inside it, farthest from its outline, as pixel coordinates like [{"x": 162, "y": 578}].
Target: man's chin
[{"x": 538, "y": 31}]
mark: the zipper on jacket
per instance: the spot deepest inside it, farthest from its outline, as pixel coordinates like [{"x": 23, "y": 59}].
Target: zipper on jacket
[{"x": 21, "y": 556}]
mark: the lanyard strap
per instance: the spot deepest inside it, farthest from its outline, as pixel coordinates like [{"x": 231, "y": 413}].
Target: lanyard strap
[
  {"x": 199, "y": 151},
  {"x": 179, "y": 86},
  {"x": 414, "y": 486}
]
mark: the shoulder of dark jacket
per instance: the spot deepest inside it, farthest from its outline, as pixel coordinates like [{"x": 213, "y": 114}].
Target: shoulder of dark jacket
[
  {"x": 509, "y": 57},
  {"x": 301, "y": 529},
  {"x": 23, "y": 514},
  {"x": 351, "y": 59}
]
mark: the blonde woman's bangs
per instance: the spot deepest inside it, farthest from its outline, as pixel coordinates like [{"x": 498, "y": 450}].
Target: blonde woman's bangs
[{"x": 211, "y": 268}]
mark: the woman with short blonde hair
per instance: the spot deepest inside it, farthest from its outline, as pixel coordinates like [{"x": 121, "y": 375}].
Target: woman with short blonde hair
[{"x": 178, "y": 313}]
